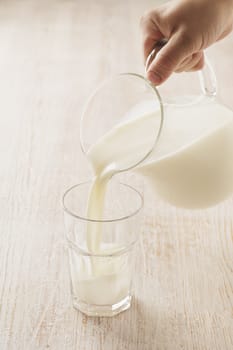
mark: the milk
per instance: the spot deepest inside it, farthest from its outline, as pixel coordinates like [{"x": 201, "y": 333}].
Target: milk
[
  {"x": 101, "y": 280},
  {"x": 191, "y": 167},
  {"x": 105, "y": 277},
  {"x": 192, "y": 164}
]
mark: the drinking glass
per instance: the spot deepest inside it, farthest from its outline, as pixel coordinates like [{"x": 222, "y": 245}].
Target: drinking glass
[{"x": 101, "y": 281}]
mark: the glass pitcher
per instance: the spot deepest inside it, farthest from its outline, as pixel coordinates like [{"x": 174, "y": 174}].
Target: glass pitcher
[{"x": 182, "y": 145}]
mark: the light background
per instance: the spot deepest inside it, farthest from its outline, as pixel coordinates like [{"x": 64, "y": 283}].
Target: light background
[{"x": 52, "y": 54}]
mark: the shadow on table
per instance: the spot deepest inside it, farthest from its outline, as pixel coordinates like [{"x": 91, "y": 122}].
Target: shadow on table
[{"x": 142, "y": 327}]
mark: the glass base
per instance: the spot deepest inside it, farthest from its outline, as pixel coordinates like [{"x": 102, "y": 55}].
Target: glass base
[{"x": 102, "y": 310}]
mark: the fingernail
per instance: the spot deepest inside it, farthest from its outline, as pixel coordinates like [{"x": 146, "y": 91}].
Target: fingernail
[{"x": 153, "y": 77}]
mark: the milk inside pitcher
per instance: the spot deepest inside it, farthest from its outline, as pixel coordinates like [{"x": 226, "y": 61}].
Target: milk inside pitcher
[{"x": 183, "y": 147}]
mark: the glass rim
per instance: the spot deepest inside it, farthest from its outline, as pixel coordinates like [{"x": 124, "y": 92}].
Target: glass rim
[
  {"x": 161, "y": 106},
  {"x": 86, "y": 219}
]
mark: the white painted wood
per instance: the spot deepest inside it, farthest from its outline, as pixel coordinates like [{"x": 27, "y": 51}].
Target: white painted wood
[{"x": 52, "y": 54}]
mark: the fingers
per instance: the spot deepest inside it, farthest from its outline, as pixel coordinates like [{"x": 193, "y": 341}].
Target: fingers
[
  {"x": 193, "y": 62},
  {"x": 169, "y": 58},
  {"x": 199, "y": 65}
]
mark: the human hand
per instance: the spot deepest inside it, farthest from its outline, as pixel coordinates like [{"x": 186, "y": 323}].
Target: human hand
[{"x": 189, "y": 26}]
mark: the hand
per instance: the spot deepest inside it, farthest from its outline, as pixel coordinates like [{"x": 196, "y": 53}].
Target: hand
[{"x": 190, "y": 26}]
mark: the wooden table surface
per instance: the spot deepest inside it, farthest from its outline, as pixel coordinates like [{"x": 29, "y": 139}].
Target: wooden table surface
[{"x": 52, "y": 54}]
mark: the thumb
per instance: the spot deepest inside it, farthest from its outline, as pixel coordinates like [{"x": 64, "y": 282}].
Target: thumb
[{"x": 177, "y": 48}]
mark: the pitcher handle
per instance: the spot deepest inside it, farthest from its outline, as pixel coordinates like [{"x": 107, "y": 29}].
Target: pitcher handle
[
  {"x": 208, "y": 80},
  {"x": 207, "y": 77}
]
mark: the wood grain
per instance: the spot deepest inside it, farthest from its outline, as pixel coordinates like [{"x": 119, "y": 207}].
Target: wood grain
[{"x": 52, "y": 54}]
